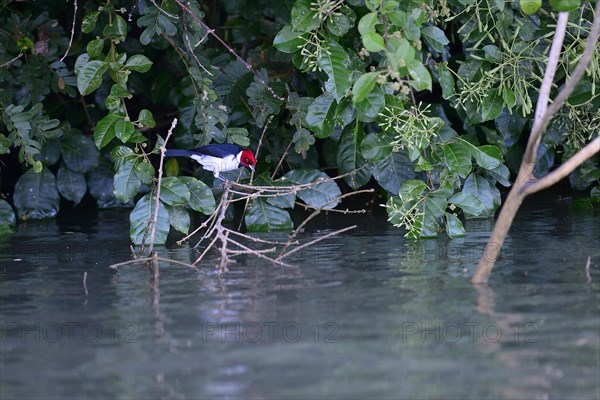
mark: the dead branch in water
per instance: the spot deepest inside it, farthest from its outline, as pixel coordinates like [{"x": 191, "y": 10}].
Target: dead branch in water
[{"x": 526, "y": 183}]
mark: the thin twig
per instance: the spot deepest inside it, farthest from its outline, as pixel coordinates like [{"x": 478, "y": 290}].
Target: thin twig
[
  {"x": 317, "y": 240},
  {"x": 148, "y": 259},
  {"x": 85, "y": 289},
  {"x": 283, "y": 156},
  {"x": 72, "y": 31},
  {"x": 163, "y": 150},
  {"x": 11, "y": 61}
]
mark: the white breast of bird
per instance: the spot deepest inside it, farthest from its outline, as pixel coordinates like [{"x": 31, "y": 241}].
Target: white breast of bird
[{"x": 216, "y": 164}]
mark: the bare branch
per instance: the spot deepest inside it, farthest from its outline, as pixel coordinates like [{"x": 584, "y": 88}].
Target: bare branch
[{"x": 72, "y": 31}]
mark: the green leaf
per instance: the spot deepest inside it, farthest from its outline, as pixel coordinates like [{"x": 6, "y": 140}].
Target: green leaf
[
  {"x": 392, "y": 171},
  {"x": 94, "y": 47},
  {"x": 89, "y": 22},
  {"x": 7, "y": 215},
  {"x": 421, "y": 78},
  {"x": 302, "y": 140},
  {"x": 303, "y": 17},
  {"x": 179, "y": 218},
  {"x": 126, "y": 183},
  {"x": 363, "y": 86},
  {"x": 491, "y": 108},
  {"x": 454, "y": 228},
  {"x": 124, "y": 130},
  {"x": 373, "y": 42},
  {"x": 287, "y": 40},
  {"x": 367, "y": 23},
  {"x": 146, "y": 118},
  {"x": 339, "y": 23},
  {"x": 436, "y": 206},
  {"x": 139, "y": 63},
  {"x": 375, "y": 147},
  {"x": 349, "y": 159},
  {"x": 174, "y": 192},
  {"x": 334, "y": 61},
  {"x": 50, "y": 152},
  {"x": 36, "y": 195},
  {"x": 89, "y": 77},
  {"x": 480, "y": 188},
  {"x": 458, "y": 158},
  {"x": 487, "y": 156},
  {"x": 71, "y": 185},
  {"x": 470, "y": 204},
  {"x": 372, "y": 104},
  {"x": 446, "y": 81},
  {"x": 201, "y": 197},
  {"x": 264, "y": 217},
  {"x": 100, "y": 184},
  {"x": 79, "y": 153},
  {"x": 145, "y": 172},
  {"x": 411, "y": 190},
  {"x": 435, "y": 37},
  {"x": 319, "y": 116},
  {"x": 140, "y": 221},
  {"x": 105, "y": 130},
  {"x": 321, "y": 195},
  {"x": 117, "y": 29}
]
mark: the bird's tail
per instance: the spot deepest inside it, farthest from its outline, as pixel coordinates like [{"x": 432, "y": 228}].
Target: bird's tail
[{"x": 178, "y": 153}]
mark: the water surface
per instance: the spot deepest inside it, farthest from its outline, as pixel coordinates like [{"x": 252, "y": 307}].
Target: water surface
[{"x": 363, "y": 315}]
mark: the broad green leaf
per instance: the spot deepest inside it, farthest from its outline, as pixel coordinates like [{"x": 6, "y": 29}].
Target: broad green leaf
[
  {"x": 174, "y": 192},
  {"x": 79, "y": 153},
  {"x": 287, "y": 40},
  {"x": 105, "y": 130},
  {"x": 487, "y": 156},
  {"x": 89, "y": 22},
  {"x": 436, "y": 206},
  {"x": 50, "y": 152},
  {"x": 490, "y": 108},
  {"x": 139, "y": 63},
  {"x": 36, "y": 195},
  {"x": 146, "y": 118},
  {"x": 372, "y": 104},
  {"x": 429, "y": 226},
  {"x": 319, "y": 116},
  {"x": 367, "y": 23},
  {"x": 470, "y": 204},
  {"x": 373, "y": 42},
  {"x": 7, "y": 215},
  {"x": 458, "y": 158},
  {"x": 480, "y": 188},
  {"x": 411, "y": 190},
  {"x": 349, "y": 159},
  {"x": 303, "y": 17},
  {"x": 363, "y": 86},
  {"x": 435, "y": 37},
  {"x": 335, "y": 61},
  {"x": 179, "y": 218},
  {"x": 117, "y": 28},
  {"x": 145, "y": 172},
  {"x": 446, "y": 80},
  {"x": 321, "y": 195},
  {"x": 392, "y": 171},
  {"x": 126, "y": 183},
  {"x": 375, "y": 147},
  {"x": 263, "y": 217},
  {"x": 201, "y": 197},
  {"x": 89, "y": 77},
  {"x": 71, "y": 185},
  {"x": 421, "y": 78},
  {"x": 454, "y": 228},
  {"x": 140, "y": 220},
  {"x": 94, "y": 47},
  {"x": 100, "y": 184},
  {"x": 339, "y": 23},
  {"x": 124, "y": 130},
  {"x": 302, "y": 140}
]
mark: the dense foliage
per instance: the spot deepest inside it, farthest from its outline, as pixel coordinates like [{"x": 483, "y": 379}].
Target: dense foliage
[{"x": 428, "y": 100}]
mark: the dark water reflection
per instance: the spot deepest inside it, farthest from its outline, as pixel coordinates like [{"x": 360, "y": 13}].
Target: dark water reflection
[{"x": 364, "y": 315}]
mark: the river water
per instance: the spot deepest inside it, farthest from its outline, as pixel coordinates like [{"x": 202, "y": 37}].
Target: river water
[{"x": 367, "y": 314}]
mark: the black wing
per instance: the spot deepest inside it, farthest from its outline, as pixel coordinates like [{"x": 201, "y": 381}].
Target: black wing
[{"x": 218, "y": 150}]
